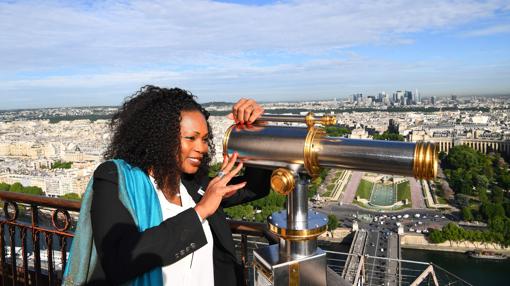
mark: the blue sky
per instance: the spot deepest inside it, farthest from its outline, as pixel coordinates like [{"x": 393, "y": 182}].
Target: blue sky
[{"x": 74, "y": 53}]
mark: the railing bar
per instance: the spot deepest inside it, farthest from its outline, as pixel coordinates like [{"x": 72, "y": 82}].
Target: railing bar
[
  {"x": 12, "y": 237},
  {"x": 24, "y": 254},
  {"x": 449, "y": 273},
  {"x": 2, "y": 255},
  {"x": 49, "y": 251},
  {"x": 40, "y": 200},
  {"x": 63, "y": 246},
  {"x": 40, "y": 229},
  {"x": 244, "y": 257},
  {"x": 37, "y": 255},
  {"x": 333, "y": 259}
]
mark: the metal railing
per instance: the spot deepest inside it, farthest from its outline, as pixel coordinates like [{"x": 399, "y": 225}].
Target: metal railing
[{"x": 36, "y": 233}]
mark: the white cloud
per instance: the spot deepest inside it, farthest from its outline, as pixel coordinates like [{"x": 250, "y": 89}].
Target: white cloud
[
  {"x": 489, "y": 31},
  {"x": 44, "y": 34},
  {"x": 219, "y": 49}
]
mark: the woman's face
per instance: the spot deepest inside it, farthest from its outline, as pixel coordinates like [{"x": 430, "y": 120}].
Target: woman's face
[{"x": 194, "y": 138}]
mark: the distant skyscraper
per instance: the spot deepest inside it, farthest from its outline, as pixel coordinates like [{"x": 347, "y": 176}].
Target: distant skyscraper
[
  {"x": 408, "y": 97},
  {"x": 433, "y": 100},
  {"x": 398, "y": 97},
  {"x": 417, "y": 96},
  {"x": 358, "y": 97}
]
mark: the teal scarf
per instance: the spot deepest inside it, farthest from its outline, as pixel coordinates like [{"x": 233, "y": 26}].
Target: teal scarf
[{"x": 137, "y": 194}]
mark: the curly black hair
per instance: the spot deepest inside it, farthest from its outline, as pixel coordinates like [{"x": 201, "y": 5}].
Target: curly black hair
[{"x": 146, "y": 133}]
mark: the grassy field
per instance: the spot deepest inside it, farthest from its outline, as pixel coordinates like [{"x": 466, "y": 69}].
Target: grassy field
[
  {"x": 404, "y": 191},
  {"x": 339, "y": 174},
  {"x": 364, "y": 189},
  {"x": 441, "y": 200},
  {"x": 329, "y": 190}
]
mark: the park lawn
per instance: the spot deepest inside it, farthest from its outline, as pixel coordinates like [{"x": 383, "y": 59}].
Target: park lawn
[
  {"x": 404, "y": 191},
  {"x": 339, "y": 174},
  {"x": 329, "y": 190},
  {"x": 441, "y": 200},
  {"x": 364, "y": 189}
]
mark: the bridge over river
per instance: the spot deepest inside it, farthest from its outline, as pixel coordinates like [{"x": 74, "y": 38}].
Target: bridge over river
[{"x": 375, "y": 259}]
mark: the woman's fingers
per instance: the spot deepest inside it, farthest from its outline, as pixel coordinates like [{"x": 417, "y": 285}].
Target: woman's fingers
[
  {"x": 230, "y": 163},
  {"x": 244, "y": 111},
  {"x": 255, "y": 114},
  {"x": 232, "y": 173},
  {"x": 225, "y": 162},
  {"x": 214, "y": 181},
  {"x": 235, "y": 108},
  {"x": 232, "y": 189},
  {"x": 248, "y": 112}
]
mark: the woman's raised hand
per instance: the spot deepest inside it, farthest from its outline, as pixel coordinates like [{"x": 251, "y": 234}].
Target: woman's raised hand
[
  {"x": 218, "y": 188},
  {"x": 246, "y": 111}
]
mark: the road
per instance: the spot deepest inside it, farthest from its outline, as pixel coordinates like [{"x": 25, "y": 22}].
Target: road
[
  {"x": 352, "y": 186},
  {"x": 416, "y": 194},
  {"x": 420, "y": 219}
]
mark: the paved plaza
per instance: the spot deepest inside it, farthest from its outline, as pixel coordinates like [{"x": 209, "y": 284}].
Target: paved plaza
[{"x": 382, "y": 195}]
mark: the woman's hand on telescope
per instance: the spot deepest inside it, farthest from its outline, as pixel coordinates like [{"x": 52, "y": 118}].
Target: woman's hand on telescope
[
  {"x": 218, "y": 188},
  {"x": 246, "y": 111}
]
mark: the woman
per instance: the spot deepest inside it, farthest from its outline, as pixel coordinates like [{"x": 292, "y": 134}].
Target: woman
[{"x": 151, "y": 215}]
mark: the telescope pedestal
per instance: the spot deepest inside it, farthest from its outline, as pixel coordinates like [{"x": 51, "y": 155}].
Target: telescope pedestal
[
  {"x": 296, "y": 260},
  {"x": 298, "y": 154},
  {"x": 271, "y": 268}
]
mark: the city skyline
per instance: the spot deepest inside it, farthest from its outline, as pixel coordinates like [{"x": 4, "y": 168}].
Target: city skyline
[{"x": 95, "y": 53}]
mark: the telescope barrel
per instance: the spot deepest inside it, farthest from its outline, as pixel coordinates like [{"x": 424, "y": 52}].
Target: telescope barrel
[
  {"x": 278, "y": 145},
  {"x": 310, "y": 119},
  {"x": 389, "y": 157},
  {"x": 281, "y": 118}
]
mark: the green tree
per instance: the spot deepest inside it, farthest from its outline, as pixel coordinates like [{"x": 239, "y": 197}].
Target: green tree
[
  {"x": 33, "y": 191},
  {"x": 481, "y": 181},
  {"x": 332, "y": 223},
  {"x": 504, "y": 180},
  {"x": 506, "y": 206},
  {"x": 4, "y": 187},
  {"x": 452, "y": 232},
  {"x": 16, "y": 187},
  {"x": 61, "y": 165},
  {"x": 436, "y": 236},
  {"x": 244, "y": 212},
  {"x": 467, "y": 214},
  {"x": 497, "y": 194},
  {"x": 491, "y": 210},
  {"x": 497, "y": 224},
  {"x": 71, "y": 196},
  {"x": 337, "y": 131},
  {"x": 389, "y": 136},
  {"x": 482, "y": 195}
]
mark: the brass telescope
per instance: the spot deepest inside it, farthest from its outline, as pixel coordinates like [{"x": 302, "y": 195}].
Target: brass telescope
[
  {"x": 282, "y": 145},
  {"x": 296, "y": 154}
]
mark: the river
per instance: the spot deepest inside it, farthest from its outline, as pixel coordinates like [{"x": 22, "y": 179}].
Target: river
[{"x": 479, "y": 272}]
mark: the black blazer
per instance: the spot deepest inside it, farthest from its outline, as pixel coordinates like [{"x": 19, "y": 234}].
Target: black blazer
[
  {"x": 227, "y": 270},
  {"x": 124, "y": 252}
]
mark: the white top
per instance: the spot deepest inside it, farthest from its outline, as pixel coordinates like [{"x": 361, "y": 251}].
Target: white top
[{"x": 197, "y": 267}]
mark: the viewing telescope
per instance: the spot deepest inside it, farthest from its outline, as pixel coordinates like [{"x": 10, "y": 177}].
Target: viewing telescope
[{"x": 296, "y": 154}]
